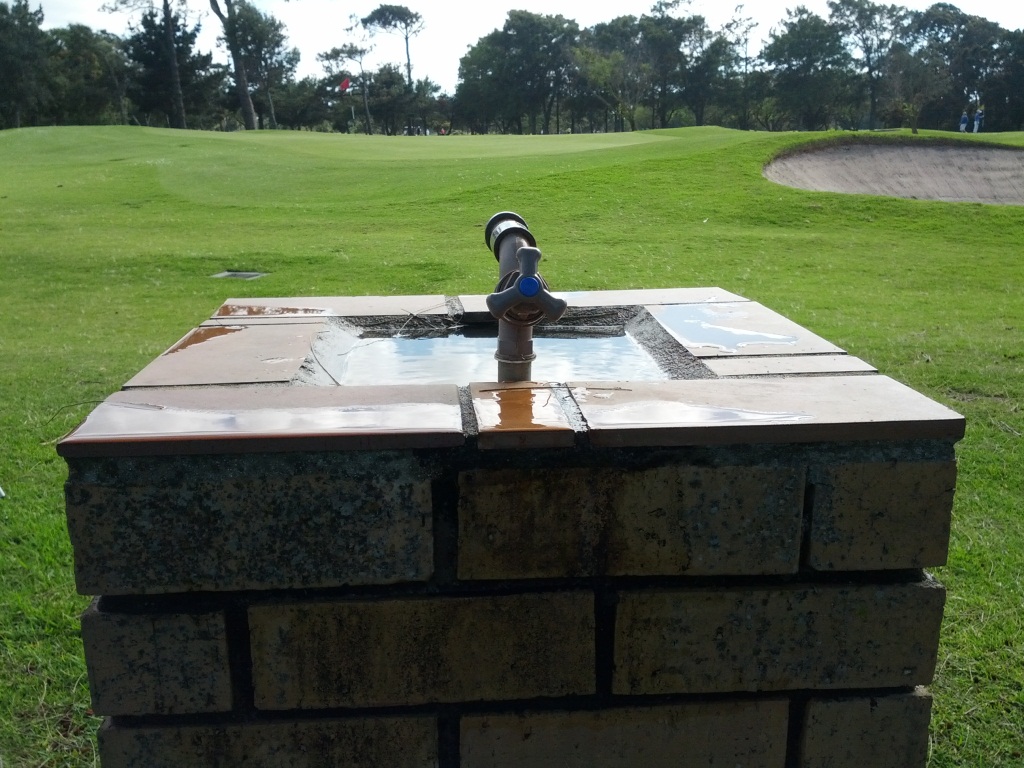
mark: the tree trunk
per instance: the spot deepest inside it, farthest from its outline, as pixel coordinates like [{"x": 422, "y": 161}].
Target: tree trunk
[
  {"x": 408, "y": 63},
  {"x": 630, "y": 116},
  {"x": 270, "y": 107},
  {"x": 366, "y": 107},
  {"x": 241, "y": 79},
  {"x": 242, "y": 89},
  {"x": 178, "y": 118}
]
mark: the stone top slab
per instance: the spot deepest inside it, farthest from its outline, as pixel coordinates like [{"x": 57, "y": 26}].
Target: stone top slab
[
  {"x": 232, "y": 354},
  {"x": 766, "y": 410},
  {"x": 238, "y": 383},
  {"x": 737, "y": 328},
  {"x": 174, "y": 420},
  {"x": 787, "y": 365},
  {"x": 180, "y": 420},
  {"x": 475, "y": 310},
  {"x": 249, "y": 310},
  {"x": 261, "y": 341}
]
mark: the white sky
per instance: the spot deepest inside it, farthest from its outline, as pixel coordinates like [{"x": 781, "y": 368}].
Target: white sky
[{"x": 452, "y": 26}]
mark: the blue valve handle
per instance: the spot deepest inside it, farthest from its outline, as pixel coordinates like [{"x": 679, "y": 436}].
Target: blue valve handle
[{"x": 528, "y": 288}]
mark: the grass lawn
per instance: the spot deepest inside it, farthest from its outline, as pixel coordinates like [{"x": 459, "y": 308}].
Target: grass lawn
[{"x": 108, "y": 238}]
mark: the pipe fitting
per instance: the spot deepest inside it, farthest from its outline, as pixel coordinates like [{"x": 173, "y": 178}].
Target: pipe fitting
[{"x": 506, "y": 223}]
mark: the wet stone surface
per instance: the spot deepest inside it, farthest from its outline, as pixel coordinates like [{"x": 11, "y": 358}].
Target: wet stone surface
[
  {"x": 632, "y": 362},
  {"x": 599, "y": 343}
]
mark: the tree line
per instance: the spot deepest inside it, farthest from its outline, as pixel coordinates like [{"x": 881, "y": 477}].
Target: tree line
[{"x": 865, "y": 65}]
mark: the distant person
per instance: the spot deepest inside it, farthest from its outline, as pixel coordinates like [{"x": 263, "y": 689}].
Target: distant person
[
  {"x": 979, "y": 119},
  {"x": 964, "y": 120}
]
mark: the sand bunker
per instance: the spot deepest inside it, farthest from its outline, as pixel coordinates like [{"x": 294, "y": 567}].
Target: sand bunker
[{"x": 949, "y": 173}]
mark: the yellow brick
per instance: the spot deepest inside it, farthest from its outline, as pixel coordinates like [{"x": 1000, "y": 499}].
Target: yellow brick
[
  {"x": 530, "y": 523},
  {"x": 156, "y": 664},
  {"x": 409, "y": 742},
  {"x": 751, "y": 734},
  {"x": 876, "y": 731},
  {"x": 874, "y": 515},
  {"x": 707, "y": 521},
  {"x": 775, "y": 639},
  {"x": 405, "y": 652},
  {"x": 365, "y": 520},
  {"x": 666, "y": 521}
]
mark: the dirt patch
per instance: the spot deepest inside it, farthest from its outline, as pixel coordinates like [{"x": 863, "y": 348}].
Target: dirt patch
[{"x": 981, "y": 174}]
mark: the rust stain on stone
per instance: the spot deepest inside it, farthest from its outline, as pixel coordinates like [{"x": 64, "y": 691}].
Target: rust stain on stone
[
  {"x": 262, "y": 310},
  {"x": 205, "y": 333}
]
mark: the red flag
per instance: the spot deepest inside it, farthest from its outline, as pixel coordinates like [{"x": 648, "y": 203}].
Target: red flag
[{"x": 345, "y": 84}]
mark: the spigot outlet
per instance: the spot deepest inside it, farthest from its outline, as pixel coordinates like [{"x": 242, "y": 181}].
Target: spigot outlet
[{"x": 506, "y": 223}]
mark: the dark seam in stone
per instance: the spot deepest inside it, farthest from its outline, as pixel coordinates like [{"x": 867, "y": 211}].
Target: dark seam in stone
[
  {"x": 588, "y": 703},
  {"x": 197, "y": 603}
]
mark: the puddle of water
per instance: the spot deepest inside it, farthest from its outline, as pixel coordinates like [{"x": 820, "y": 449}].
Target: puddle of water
[
  {"x": 519, "y": 410},
  {"x": 458, "y": 359},
  {"x": 696, "y": 325}
]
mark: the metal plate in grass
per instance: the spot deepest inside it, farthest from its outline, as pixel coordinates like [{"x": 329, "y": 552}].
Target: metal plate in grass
[{"x": 240, "y": 275}]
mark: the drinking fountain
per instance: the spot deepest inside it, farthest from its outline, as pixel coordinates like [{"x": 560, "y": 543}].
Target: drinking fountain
[{"x": 302, "y": 549}]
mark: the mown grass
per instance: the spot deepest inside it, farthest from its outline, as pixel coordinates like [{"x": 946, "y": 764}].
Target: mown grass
[{"x": 108, "y": 238}]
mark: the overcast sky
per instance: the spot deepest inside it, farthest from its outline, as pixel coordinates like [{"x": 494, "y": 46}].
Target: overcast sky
[{"x": 452, "y": 26}]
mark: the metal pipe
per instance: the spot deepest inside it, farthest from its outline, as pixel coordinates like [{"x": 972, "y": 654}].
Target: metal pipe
[{"x": 521, "y": 298}]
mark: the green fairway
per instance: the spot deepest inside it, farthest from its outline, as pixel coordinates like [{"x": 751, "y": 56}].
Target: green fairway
[{"x": 109, "y": 236}]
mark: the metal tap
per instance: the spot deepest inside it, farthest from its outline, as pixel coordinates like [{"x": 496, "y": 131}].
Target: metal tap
[{"x": 522, "y": 298}]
